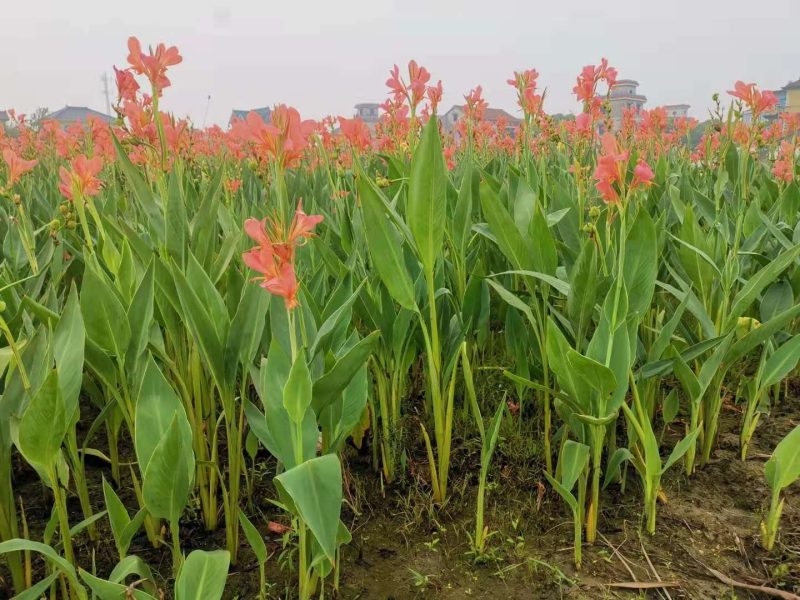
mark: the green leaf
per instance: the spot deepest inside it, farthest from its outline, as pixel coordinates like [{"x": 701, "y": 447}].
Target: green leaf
[
  {"x": 117, "y": 516},
  {"x": 141, "y": 190},
  {"x": 385, "y": 246},
  {"x": 574, "y": 458},
  {"x": 516, "y": 249},
  {"x": 203, "y": 575},
  {"x": 333, "y": 321},
  {"x": 140, "y": 317},
  {"x": 297, "y": 392},
  {"x": 176, "y": 226},
  {"x": 110, "y": 590},
  {"x": 313, "y": 492},
  {"x": 18, "y": 545},
  {"x": 565, "y": 494},
  {"x": 156, "y": 405},
  {"x": 781, "y": 362},
  {"x": 783, "y": 467},
  {"x": 43, "y": 426},
  {"x": 640, "y": 264},
  {"x": 253, "y": 538},
  {"x": 339, "y": 376},
  {"x": 68, "y": 346},
  {"x": 104, "y": 316},
  {"x": 170, "y": 471},
  {"x": 599, "y": 377},
  {"x": 759, "y": 281},
  {"x": 246, "y": 331},
  {"x": 680, "y": 449},
  {"x": 427, "y": 195}
]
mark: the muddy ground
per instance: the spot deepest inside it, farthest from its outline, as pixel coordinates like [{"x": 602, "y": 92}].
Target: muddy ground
[{"x": 404, "y": 548}]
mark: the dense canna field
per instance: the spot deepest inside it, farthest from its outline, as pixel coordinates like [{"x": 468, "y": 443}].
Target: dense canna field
[{"x": 223, "y": 350}]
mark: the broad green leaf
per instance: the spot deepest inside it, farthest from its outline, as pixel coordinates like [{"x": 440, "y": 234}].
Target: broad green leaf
[
  {"x": 313, "y": 492},
  {"x": 253, "y": 538},
  {"x": 104, "y": 316},
  {"x": 19, "y": 545},
  {"x": 783, "y": 467},
  {"x": 759, "y": 281},
  {"x": 43, "y": 426},
  {"x": 297, "y": 392},
  {"x": 140, "y": 317},
  {"x": 203, "y": 575},
  {"x": 385, "y": 246},
  {"x": 68, "y": 344},
  {"x": 427, "y": 195},
  {"x": 574, "y": 458},
  {"x": 781, "y": 362},
  {"x": 640, "y": 264},
  {"x": 156, "y": 406},
  {"x": 170, "y": 471},
  {"x": 681, "y": 448}
]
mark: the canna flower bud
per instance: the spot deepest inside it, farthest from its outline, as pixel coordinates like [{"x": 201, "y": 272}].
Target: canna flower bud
[{"x": 594, "y": 213}]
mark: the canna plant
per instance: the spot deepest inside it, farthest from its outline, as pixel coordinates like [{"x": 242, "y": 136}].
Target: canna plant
[
  {"x": 771, "y": 370},
  {"x": 488, "y": 445},
  {"x": 781, "y": 470},
  {"x": 573, "y": 467}
]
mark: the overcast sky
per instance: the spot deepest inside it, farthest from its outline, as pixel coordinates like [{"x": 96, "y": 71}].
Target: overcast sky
[{"x": 323, "y": 57}]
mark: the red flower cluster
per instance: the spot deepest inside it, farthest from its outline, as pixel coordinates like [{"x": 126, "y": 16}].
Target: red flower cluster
[
  {"x": 81, "y": 179},
  {"x": 610, "y": 170},
  {"x": 17, "y": 166},
  {"x": 756, "y": 101},
  {"x": 273, "y": 257},
  {"x": 153, "y": 65}
]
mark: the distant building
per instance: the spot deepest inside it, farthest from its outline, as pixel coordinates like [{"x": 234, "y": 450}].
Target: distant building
[
  {"x": 789, "y": 97},
  {"x": 492, "y": 115},
  {"x": 676, "y": 110},
  {"x": 625, "y": 96},
  {"x": 76, "y": 114},
  {"x": 369, "y": 112},
  {"x": 265, "y": 112},
  {"x": 3, "y": 118}
]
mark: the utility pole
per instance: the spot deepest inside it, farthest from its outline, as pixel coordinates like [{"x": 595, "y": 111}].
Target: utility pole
[
  {"x": 104, "y": 79},
  {"x": 205, "y": 116}
]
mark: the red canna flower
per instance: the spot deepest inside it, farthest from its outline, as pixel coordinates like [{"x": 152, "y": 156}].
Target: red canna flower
[
  {"x": 302, "y": 225},
  {"x": 784, "y": 163},
  {"x": 756, "y": 100},
  {"x": 17, "y": 166},
  {"x": 81, "y": 179},
  {"x": 476, "y": 105},
  {"x": 273, "y": 257},
  {"x": 153, "y": 65},
  {"x": 609, "y": 170},
  {"x": 642, "y": 174},
  {"x": 126, "y": 85},
  {"x": 356, "y": 132},
  {"x": 435, "y": 95}
]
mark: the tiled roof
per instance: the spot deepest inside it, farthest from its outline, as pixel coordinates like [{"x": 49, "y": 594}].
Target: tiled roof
[
  {"x": 265, "y": 112},
  {"x": 490, "y": 114},
  {"x": 792, "y": 85},
  {"x": 73, "y": 114}
]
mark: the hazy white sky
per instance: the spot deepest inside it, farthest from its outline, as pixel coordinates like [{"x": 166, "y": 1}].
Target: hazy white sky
[{"x": 324, "y": 56}]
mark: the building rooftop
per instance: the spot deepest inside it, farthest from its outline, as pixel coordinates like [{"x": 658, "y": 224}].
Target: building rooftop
[
  {"x": 677, "y": 106},
  {"x": 491, "y": 114},
  {"x": 368, "y": 105},
  {"x": 77, "y": 114},
  {"x": 792, "y": 85},
  {"x": 265, "y": 112},
  {"x": 626, "y": 82}
]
